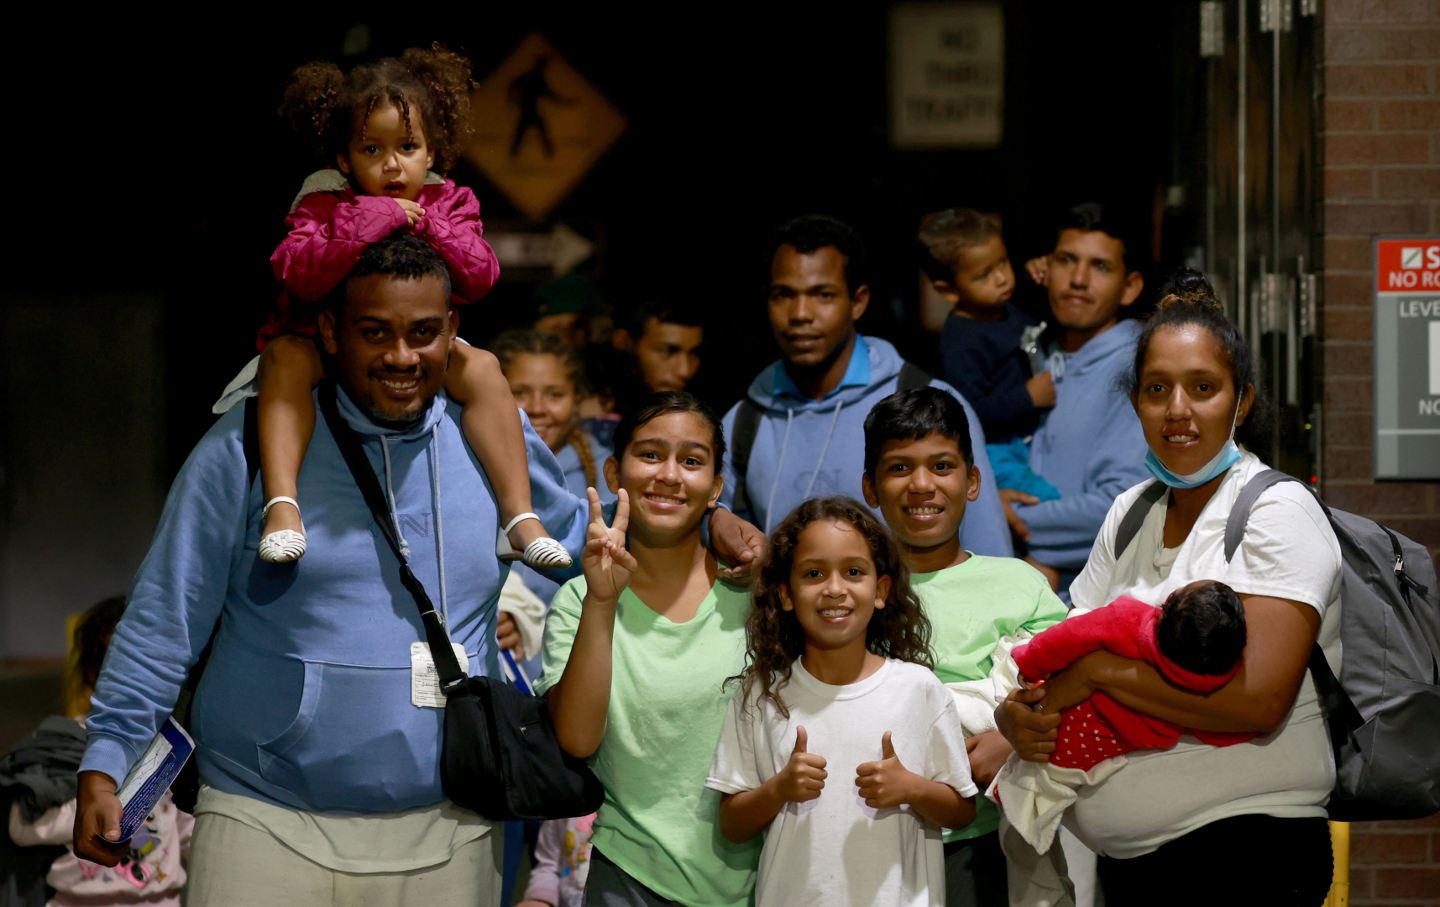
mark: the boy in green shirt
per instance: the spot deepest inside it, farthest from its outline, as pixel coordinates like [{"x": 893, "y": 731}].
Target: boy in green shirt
[{"x": 920, "y": 474}]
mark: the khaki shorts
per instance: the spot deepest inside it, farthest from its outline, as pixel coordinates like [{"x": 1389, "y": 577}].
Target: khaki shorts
[{"x": 234, "y": 865}]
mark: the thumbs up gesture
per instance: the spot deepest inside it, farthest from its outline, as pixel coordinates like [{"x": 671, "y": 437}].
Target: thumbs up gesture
[
  {"x": 887, "y": 782},
  {"x": 803, "y": 777}
]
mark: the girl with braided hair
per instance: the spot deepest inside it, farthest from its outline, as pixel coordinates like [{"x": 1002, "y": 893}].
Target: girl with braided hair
[
  {"x": 547, "y": 377},
  {"x": 389, "y": 129}
]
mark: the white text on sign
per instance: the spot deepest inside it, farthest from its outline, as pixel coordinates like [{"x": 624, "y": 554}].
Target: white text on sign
[
  {"x": 1420, "y": 308},
  {"x": 1410, "y": 280}
]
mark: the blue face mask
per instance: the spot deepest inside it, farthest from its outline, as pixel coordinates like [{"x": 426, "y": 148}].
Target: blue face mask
[{"x": 1228, "y": 455}]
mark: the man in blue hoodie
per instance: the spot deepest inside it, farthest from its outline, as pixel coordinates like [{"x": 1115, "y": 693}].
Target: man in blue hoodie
[
  {"x": 1090, "y": 446},
  {"x": 800, "y": 433},
  {"x": 318, "y": 718}
]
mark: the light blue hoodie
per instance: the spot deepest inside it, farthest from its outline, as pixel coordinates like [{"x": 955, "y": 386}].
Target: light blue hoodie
[
  {"x": 807, "y": 448},
  {"x": 1090, "y": 447},
  {"x": 306, "y": 699}
]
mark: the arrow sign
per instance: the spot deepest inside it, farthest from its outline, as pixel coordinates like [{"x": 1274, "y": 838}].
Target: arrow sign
[{"x": 560, "y": 250}]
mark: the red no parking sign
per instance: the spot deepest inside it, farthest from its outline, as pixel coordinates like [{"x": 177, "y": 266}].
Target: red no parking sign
[{"x": 1407, "y": 264}]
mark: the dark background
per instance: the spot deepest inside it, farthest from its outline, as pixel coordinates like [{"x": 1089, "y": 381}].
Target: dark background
[
  {"x": 151, "y": 177},
  {"x": 154, "y": 162}
]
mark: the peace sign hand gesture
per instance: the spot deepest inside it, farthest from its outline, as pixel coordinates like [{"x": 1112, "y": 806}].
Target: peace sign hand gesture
[{"x": 608, "y": 565}]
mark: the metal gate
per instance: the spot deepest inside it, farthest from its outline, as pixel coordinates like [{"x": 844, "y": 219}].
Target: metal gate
[{"x": 1259, "y": 121}]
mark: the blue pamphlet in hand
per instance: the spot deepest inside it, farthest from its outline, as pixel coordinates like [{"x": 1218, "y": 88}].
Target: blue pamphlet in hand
[{"x": 152, "y": 776}]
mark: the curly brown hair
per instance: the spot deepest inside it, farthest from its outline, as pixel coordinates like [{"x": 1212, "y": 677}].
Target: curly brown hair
[
  {"x": 774, "y": 638},
  {"x": 325, "y": 106}
]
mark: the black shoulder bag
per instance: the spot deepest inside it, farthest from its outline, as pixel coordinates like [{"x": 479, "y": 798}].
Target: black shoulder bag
[{"x": 499, "y": 757}]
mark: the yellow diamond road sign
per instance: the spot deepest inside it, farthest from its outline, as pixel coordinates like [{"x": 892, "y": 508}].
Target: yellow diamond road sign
[{"x": 539, "y": 127}]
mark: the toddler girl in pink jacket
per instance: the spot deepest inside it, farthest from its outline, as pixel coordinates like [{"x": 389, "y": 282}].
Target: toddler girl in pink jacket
[{"x": 386, "y": 127}]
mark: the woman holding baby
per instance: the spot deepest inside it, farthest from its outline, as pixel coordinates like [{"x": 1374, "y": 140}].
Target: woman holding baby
[{"x": 1196, "y": 823}]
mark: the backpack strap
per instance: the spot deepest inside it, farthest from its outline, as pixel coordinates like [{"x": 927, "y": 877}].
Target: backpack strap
[
  {"x": 742, "y": 439},
  {"x": 911, "y": 377},
  {"x": 1240, "y": 511},
  {"x": 250, "y": 439},
  {"x": 747, "y": 426},
  {"x": 1342, "y": 718},
  {"x": 1135, "y": 517}
]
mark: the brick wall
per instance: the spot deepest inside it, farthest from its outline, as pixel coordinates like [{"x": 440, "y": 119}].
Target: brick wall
[
  {"x": 1380, "y": 155},
  {"x": 1395, "y": 863},
  {"x": 1380, "y": 140}
]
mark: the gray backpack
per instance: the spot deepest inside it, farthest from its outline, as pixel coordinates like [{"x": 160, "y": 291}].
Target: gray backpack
[{"x": 1383, "y": 713}]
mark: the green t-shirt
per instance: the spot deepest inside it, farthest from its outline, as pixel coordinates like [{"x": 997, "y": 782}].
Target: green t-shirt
[
  {"x": 970, "y": 606},
  {"x": 659, "y": 822}
]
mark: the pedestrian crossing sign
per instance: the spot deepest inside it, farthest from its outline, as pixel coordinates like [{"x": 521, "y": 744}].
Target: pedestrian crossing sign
[{"x": 538, "y": 127}]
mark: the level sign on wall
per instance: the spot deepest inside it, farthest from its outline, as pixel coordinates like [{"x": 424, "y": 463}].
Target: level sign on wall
[{"x": 1407, "y": 357}]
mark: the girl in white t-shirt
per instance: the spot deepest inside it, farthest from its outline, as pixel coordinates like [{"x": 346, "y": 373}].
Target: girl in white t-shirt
[
  {"x": 838, "y": 675},
  {"x": 1252, "y": 815}
]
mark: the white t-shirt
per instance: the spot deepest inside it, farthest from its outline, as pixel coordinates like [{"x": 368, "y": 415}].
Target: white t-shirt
[
  {"x": 1289, "y": 551},
  {"x": 834, "y": 849}
]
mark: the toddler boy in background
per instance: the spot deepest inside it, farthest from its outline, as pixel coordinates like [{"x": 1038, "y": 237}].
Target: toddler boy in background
[{"x": 983, "y": 344}]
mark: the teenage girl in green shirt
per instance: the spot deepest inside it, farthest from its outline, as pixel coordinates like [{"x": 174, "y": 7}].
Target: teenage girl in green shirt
[{"x": 636, "y": 655}]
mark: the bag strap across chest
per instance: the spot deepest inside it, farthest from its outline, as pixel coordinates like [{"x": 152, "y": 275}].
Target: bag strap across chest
[{"x": 446, "y": 665}]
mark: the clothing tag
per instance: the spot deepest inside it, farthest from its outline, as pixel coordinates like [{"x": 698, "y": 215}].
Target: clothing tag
[{"x": 425, "y": 690}]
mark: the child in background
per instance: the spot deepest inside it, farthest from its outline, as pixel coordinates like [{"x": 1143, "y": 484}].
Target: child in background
[
  {"x": 920, "y": 474},
  {"x": 982, "y": 346},
  {"x": 838, "y": 675},
  {"x": 151, "y": 872},
  {"x": 1195, "y": 639},
  {"x": 384, "y": 125},
  {"x": 562, "y": 863},
  {"x": 547, "y": 379}
]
